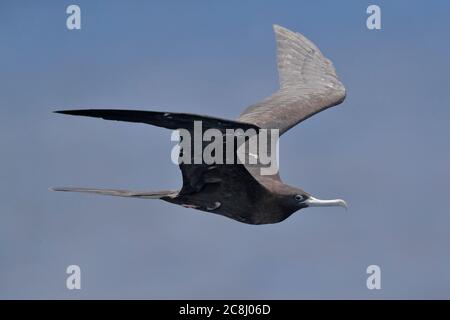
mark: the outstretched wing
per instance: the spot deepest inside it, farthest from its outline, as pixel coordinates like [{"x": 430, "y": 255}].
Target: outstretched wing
[
  {"x": 308, "y": 85},
  {"x": 169, "y": 120}
]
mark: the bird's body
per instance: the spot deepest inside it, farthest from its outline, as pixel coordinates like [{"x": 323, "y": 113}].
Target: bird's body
[
  {"x": 241, "y": 191},
  {"x": 245, "y": 200}
]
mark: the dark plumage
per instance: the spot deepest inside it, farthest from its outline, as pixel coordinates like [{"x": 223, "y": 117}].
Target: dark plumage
[{"x": 239, "y": 191}]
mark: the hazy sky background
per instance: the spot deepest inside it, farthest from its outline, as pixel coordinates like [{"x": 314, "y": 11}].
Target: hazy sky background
[{"x": 386, "y": 150}]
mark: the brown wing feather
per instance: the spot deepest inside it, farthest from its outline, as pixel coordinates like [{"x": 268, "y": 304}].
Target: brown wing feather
[{"x": 308, "y": 80}]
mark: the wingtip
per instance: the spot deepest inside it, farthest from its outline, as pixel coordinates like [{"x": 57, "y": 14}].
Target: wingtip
[
  {"x": 71, "y": 112},
  {"x": 277, "y": 29}
]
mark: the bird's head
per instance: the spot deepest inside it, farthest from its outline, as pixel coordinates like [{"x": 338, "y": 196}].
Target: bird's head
[{"x": 297, "y": 199}]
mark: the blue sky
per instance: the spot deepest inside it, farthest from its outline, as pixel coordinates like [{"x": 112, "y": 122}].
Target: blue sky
[{"x": 385, "y": 150}]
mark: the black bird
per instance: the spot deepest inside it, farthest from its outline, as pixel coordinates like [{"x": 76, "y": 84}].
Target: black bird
[{"x": 308, "y": 85}]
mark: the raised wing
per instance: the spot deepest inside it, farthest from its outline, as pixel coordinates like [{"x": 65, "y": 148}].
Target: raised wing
[{"x": 308, "y": 85}]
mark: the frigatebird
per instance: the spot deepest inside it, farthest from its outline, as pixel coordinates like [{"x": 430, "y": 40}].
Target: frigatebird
[{"x": 308, "y": 85}]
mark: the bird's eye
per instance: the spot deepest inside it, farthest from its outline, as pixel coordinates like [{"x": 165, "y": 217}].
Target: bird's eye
[{"x": 299, "y": 197}]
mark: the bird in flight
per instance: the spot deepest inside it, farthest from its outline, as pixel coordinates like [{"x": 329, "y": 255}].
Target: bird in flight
[{"x": 308, "y": 85}]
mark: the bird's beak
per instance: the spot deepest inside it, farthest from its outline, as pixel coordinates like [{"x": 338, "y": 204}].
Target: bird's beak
[{"x": 313, "y": 202}]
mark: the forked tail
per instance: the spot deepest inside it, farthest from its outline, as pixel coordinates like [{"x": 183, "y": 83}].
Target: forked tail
[{"x": 123, "y": 193}]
